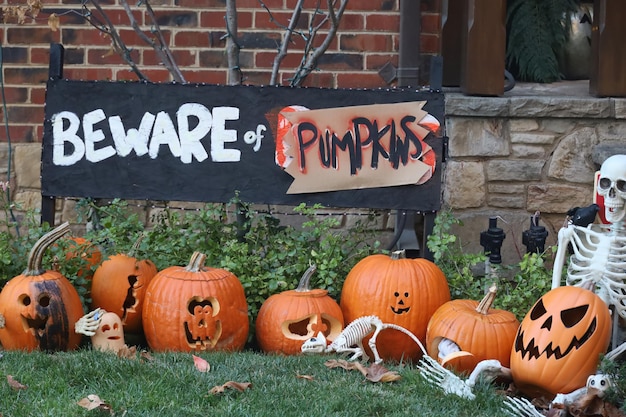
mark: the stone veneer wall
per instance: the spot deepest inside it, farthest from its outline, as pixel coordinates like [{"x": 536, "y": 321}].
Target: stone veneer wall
[
  {"x": 535, "y": 149},
  {"x": 508, "y": 157}
]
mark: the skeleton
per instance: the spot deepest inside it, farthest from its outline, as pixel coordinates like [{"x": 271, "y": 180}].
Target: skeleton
[
  {"x": 488, "y": 370},
  {"x": 599, "y": 251},
  {"x": 350, "y": 340}
]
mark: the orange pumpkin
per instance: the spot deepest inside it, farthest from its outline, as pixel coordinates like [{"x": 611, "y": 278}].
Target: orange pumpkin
[
  {"x": 559, "y": 342},
  {"x": 119, "y": 286},
  {"x": 479, "y": 331},
  {"x": 287, "y": 319},
  {"x": 401, "y": 291},
  {"x": 195, "y": 308},
  {"x": 88, "y": 252},
  {"x": 40, "y": 307}
]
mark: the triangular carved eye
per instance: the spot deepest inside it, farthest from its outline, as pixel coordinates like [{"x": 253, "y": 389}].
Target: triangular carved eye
[
  {"x": 572, "y": 316},
  {"x": 538, "y": 310}
]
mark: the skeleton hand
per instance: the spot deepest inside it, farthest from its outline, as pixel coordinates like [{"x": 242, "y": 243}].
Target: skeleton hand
[
  {"x": 89, "y": 323},
  {"x": 520, "y": 407},
  {"x": 436, "y": 374}
]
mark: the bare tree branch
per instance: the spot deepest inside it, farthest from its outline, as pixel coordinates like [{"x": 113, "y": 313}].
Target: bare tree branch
[
  {"x": 162, "y": 50},
  {"x": 312, "y": 58},
  {"x": 284, "y": 46},
  {"x": 108, "y": 28},
  {"x": 234, "y": 75}
]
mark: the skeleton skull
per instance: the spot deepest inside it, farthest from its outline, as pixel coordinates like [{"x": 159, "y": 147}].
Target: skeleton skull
[
  {"x": 600, "y": 383},
  {"x": 612, "y": 186}
]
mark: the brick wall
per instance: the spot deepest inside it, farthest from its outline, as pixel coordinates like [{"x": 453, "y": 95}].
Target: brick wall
[{"x": 367, "y": 39}]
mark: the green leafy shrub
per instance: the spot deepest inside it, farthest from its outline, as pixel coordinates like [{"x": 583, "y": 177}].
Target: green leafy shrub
[{"x": 266, "y": 256}]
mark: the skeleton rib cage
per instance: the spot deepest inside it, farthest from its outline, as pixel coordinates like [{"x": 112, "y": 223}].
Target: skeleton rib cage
[{"x": 598, "y": 261}]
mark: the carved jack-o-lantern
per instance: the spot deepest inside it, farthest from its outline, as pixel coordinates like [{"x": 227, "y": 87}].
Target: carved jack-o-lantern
[
  {"x": 401, "y": 291},
  {"x": 109, "y": 334},
  {"x": 559, "y": 342},
  {"x": 40, "y": 307},
  {"x": 287, "y": 319},
  {"x": 195, "y": 308},
  {"x": 476, "y": 331},
  {"x": 119, "y": 285}
]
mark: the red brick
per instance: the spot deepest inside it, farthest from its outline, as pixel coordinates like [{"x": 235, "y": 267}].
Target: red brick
[
  {"x": 319, "y": 79},
  {"x": 215, "y": 4},
  {"x": 38, "y": 95},
  {"x": 266, "y": 60},
  {"x": 217, "y": 19},
  {"x": 277, "y": 20},
  {"x": 14, "y": 55},
  {"x": 195, "y": 39},
  {"x": 16, "y": 94},
  {"x": 107, "y": 56},
  {"x": 429, "y": 44},
  {"x": 360, "y": 80},
  {"x": 383, "y": 22},
  {"x": 340, "y": 61},
  {"x": 254, "y": 4},
  {"x": 352, "y": 21},
  {"x": 21, "y": 133},
  {"x": 374, "y": 5},
  {"x": 206, "y": 76},
  {"x": 256, "y": 77},
  {"x": 431, "y": 23},
  {"x": 28, "y": 75},
  {"x": 81, "y": 37},
  {"x": 375, "y": 61},
  {"x": 366, "y": 42},
  {"x": 82, "y": 73},
  {"x": 30, "y": 35},
  {"x": 213, "y": 58},
  {"x": 25, "y": 114}
]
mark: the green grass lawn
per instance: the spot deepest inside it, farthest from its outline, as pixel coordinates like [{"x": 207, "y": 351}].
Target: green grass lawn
[{"x": 168, "y": 384}]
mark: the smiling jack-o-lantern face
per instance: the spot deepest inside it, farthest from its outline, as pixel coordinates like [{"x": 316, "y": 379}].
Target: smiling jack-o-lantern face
[
  {"x": 402, "y": 291},
  {"x": 401, "y": 305},
  {"x": 559, "y": 342}
]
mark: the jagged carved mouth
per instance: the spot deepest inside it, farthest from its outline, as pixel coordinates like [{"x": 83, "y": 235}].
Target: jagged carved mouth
[
  {"x": 36, "y": 325},
  {"x": 198, "y": 340},
  {"x": 400, "y": 310},
  {"x": 534, "y": 352}
]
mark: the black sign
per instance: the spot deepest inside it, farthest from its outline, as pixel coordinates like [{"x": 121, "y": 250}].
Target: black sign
[{"x": 197, "y": 142}]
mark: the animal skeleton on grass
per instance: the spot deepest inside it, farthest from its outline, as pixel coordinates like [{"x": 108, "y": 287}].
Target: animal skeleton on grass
[{"x": 350, "y": 340}]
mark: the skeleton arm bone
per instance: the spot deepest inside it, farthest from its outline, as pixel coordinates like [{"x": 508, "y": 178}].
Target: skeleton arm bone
[{"x": 564, "y": 237}]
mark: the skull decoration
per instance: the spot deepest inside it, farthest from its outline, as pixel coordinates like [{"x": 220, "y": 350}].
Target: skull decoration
[
  {"x": 559, "y": 342},
  {"x": 109, "y": 335},
  {"x": 612, "y": 186}
]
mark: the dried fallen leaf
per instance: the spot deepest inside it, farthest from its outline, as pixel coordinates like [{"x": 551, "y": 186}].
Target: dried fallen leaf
[
  {"x": 375, "y": 373},
  {"x": 16, "y": 385},
  {"x": 344, "y": 364},
  {"x": 378, "y": 373},
  {"x": 307, "y": 377},
  {"x": 92, "y": 402},
  {"x": 53, "y": 22},
  {"x": 201, "y": 364},
  {"x": 146, "y": 356},
  {"x": 126, "y": 352},
  {"x": 239, "y": 386}
]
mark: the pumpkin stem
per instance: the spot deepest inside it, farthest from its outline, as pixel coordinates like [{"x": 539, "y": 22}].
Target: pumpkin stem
[
  {"x": 485, "y": 304},
  {"x": 398, "y": 254},
  {"x": 133, "y": 250},
  {"x": 303, "y": 285},
  {"x": 196, "y": 263},
  {"x": 35, "y": 257}
]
